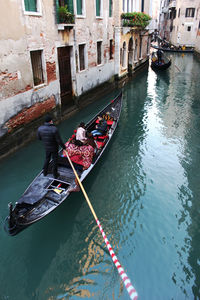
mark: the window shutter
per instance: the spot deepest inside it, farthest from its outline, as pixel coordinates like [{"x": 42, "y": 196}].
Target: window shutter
[
  {"x": 30, "y": 5},
  {"x": 57, "y": 11},
  {"x": 79, "y": 7},
  {"x": 98, "y": 8},
  {"x": 70, "y": 6},
  {"x": 110, "y": 8}
]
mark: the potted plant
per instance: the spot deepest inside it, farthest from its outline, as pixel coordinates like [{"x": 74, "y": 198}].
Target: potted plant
[
  {"x": 65, "y": 16},
  {"x": 135, "y": 19}
]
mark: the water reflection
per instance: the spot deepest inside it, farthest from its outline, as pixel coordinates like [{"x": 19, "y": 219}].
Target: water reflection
[{"x": 145, "y": 191}]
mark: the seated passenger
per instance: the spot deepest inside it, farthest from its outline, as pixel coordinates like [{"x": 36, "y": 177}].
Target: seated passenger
[
  {"x": 81, "y": 134},
  {"x": 107, "y": 116},
  {"x": 101, "y": 128}
]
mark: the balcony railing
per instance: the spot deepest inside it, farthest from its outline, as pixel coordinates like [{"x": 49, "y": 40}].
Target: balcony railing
[{"x": 136, "y": 20}]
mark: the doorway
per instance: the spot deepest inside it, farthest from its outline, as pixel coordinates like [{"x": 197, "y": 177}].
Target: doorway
[{"x": 65, "y": 76}]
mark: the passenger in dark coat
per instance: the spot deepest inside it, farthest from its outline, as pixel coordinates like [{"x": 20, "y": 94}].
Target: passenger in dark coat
[
  {"x": 51, "y": 139},
  {"x": 101, "y": 128}
]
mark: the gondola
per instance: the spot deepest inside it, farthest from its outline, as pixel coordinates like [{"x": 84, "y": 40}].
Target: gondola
[
  {"x": 177, "y": 50},
  {"x": 159, "y": 65},
  {"x": 46, "y": 193}
]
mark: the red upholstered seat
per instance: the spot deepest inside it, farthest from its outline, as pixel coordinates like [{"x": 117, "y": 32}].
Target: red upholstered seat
[
  {"x": 108, "y": 122},
  {"x": 100, "y": 144},
  {"x": 101, "y": 137}
]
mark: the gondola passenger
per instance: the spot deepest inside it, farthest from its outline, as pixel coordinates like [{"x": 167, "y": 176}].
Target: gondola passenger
[
  {"x": 101, "y": 128},
  {"x": 81, "y": 134}
]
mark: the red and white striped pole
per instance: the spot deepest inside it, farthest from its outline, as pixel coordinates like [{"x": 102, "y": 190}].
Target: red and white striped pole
[{"x": 130, "y": 289}]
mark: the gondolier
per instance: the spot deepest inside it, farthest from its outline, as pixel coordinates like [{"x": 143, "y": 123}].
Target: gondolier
[{"x": 50, "y": 136}]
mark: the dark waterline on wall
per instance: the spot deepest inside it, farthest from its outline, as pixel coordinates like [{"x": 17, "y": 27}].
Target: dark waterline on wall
[{"x": 145, "y": 191}]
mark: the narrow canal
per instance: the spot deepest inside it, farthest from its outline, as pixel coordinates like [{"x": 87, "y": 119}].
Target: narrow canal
[{"x": 145, "y": 191}]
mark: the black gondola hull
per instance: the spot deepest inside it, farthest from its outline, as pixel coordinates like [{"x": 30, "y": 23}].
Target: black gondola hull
[{"x": 46, "y": 193}]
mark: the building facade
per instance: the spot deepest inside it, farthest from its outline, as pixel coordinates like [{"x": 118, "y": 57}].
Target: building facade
[
  {"x": 179, "y": 22},
  {"x": 53, "y": 51}
]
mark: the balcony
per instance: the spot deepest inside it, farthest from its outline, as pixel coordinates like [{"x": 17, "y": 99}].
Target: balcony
[
  {"x": 136, "y": 21},
  {"x": 65, "y": 19}
]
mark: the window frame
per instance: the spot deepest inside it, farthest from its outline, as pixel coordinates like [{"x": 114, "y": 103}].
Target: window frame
[
  {"x": 79, "y": 61},
  {"x": 110, "y": 8},
  {"x": 101, "y": 9},
  {"x": 33, "y": 13},
  {"x": 43, "y": 66},
  {"x": 111, "y": 49},
  {"x": 189, "y": 12},
  {"x": 101, "y": 56},
  {"x": 83, "y": 15}
]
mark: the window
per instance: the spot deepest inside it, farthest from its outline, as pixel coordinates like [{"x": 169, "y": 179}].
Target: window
[
  {"x": 110, "y": 7},
  {"x": 179, "y": 12},
  {"x": 79, "y": 7},
  {"x": 135, "y": 53},
  {"x": 188, "y": 28},
  {"x": 189, "y": 13},
  {"x": 69, "y": 4},
  {"x": 140, "y": 51},
  {"x": 123, "y": 6},
  {"x": 99, "y": 52},
  {"x": 111, "y": 49},
  {"x": 124, "y": 55},
  {"x": 36, "y": 62},
  {"x": 82, "y": 57},
  {"x": 142, "y": 6},
  {"x": 30, "y": 5},
  {"x": 98, "y": 8}
]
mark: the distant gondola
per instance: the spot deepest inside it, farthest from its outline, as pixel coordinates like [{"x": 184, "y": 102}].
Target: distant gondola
[
  {"x": 159, "y": 64},
  {"x": 170, "y": 49},
  {"x": 46, "y": 193}
]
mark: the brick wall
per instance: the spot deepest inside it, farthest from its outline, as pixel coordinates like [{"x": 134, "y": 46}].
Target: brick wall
[{"x": 27, "y": 115}]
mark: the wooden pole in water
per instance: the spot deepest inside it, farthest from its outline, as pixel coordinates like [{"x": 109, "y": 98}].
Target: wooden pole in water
[{"x": 130, "y": 289}]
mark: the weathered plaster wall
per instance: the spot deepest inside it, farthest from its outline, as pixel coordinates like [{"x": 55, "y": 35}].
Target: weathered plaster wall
[
  {"x": 21, "y": 34},
  {"x": 89, "y": 31},
  {"x": 180, "y": 35},
  {"x": 14, "y": 106}
]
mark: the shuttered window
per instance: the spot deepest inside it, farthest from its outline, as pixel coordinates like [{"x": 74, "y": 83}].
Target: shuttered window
[
  {"x": 30, "y": 5},
  {"x": 36, "y": 62},
  {"x": 79, "y": 6},
  {"x": 99, "y": 52},
  {"x": 110, "y": 7},
  {"x": 98, "y": 8},
  {"x": 82, "y": 57},
  {"x": 70, "y": 6},
  {"x": 189, "y": 13}
]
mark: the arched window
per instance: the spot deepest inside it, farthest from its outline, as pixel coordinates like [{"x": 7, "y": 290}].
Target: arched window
[
  {"x": 135, "y": 53},
  {"x": 124, "y": 55},
  {"x": 140, "y": 54},
  {"x": 130, "y": 51}
]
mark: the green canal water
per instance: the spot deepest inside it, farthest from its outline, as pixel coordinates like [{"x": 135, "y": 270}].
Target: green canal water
[{"x": 145, "y": 192}]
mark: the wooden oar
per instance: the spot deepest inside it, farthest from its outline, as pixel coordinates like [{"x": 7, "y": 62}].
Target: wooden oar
[{"x": 130, "y": 289}]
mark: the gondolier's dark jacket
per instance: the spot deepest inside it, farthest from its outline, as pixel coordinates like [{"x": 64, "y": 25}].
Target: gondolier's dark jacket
[{"x": 50, "y": 136}]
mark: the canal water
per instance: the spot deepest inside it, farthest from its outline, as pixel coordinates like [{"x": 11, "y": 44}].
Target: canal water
[{"x": 145, "y": 191}]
